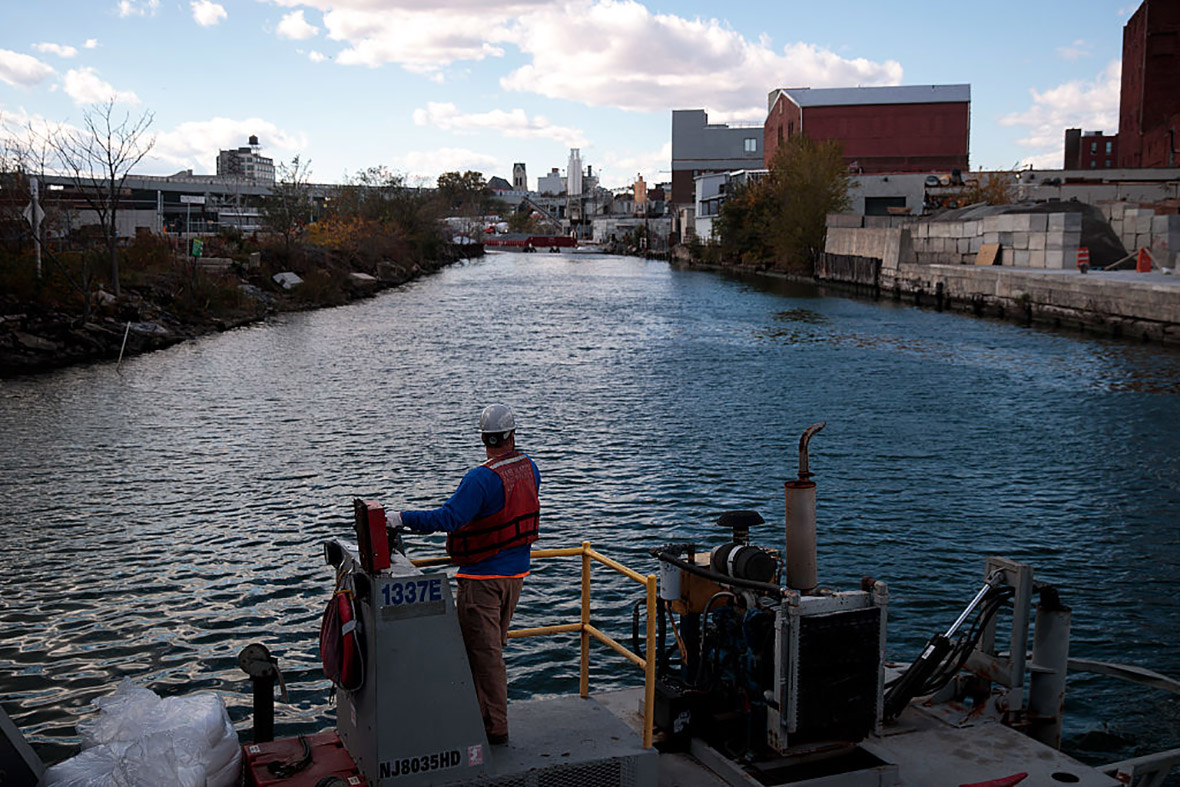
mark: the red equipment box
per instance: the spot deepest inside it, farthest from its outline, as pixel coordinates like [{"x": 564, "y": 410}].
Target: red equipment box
[
  {"x": 282, "y": 762},
  {"x": 371, "y": 538}
]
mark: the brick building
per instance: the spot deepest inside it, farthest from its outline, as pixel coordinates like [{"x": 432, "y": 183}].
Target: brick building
[
  {"x": 1149, "y": 105},
  {"x": 1090, "y": 149},
  {"x": 911, "y": 128}
]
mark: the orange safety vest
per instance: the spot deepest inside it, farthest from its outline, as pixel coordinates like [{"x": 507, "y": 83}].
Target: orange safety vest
[{"x": 514, "y": 525}]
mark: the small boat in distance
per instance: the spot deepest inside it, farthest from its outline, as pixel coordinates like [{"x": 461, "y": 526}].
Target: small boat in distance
[{"x": 519, "y": 241}]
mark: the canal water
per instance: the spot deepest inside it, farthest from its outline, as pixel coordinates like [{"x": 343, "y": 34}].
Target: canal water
[{"x": 156, "y": 518}]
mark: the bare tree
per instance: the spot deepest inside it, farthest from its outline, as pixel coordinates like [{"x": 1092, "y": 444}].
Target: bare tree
[
  {"x": 288, "y": 207},
  {"x": 97, "y": 159},
  {"x": 25, "y": 158}
]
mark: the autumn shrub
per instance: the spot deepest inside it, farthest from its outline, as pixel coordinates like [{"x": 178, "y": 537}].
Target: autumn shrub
[
  {"x": 320, "y": 288},
  {"x": 995, "y": 188},
  {"x": 211, "y": 297},
  {"x": 55, "y": 290},
  {"x": 148, "y": 260}
]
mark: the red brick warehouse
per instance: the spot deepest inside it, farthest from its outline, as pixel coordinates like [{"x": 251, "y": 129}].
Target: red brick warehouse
[
  {"x": 1149, "y": 105},
  {"x": 911, "y": 128}
]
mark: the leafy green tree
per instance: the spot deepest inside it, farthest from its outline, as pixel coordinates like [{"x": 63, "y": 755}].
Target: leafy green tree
[
  {"x": 782, "y": 217},
  {"x": 523, "y": 221},
  {"x": 378, "y": 214},
  {"x": 743, "y": 226},
  {"x": 464, "y": 194},
  {"x": 367, "y": 195},
  {"x": 807, "y": 181}
]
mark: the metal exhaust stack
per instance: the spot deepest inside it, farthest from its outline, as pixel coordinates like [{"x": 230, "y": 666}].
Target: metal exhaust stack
[{"x": 800, "y": 496}]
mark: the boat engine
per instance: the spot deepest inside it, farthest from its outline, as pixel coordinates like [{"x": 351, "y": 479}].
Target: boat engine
[{"x": 766, "y": 661}]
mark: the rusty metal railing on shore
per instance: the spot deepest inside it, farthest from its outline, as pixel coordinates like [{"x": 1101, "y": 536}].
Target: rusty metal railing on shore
[{"x": 586, "y": 629}]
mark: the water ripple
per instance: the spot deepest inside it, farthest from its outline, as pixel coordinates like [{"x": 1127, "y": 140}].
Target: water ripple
[{"x": 155, "y": 522}]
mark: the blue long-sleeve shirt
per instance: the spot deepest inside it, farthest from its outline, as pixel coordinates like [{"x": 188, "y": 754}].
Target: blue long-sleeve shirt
[{"x": 480, "y": 494}]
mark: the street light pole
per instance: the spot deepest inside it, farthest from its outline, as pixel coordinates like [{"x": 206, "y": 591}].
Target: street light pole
[{"x": 34, "y": 192}]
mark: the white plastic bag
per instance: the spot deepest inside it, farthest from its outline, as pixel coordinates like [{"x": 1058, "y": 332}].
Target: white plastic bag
[
  {"x": 140, "y": 740},
  {"x": 94, "y": 767}
]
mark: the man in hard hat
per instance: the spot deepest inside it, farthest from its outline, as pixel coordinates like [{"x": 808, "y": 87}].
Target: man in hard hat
[{"x": 490, "y": 522}]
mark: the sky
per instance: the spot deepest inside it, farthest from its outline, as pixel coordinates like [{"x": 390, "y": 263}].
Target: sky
[{"x": 430, "y": 86}]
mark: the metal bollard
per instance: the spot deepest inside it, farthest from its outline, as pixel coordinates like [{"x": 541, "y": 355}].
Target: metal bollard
[
  {"x": 255, "y": 660},
  {"x": 1050, "y": 662}
]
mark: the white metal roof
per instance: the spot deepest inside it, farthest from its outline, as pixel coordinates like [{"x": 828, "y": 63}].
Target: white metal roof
[{"x": 897, "y": 94}]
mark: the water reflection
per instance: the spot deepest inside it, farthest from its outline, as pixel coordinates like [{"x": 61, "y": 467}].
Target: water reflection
[{"x": 155, "y": 522}]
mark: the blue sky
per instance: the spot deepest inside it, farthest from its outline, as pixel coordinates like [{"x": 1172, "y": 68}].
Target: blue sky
[{"x": 428, "y": 86}]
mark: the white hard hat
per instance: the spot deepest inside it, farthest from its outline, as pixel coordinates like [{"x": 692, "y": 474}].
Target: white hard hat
[{"x": 496, "y": 419}]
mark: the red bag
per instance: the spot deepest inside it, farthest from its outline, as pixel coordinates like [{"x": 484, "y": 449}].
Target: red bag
[{"x": 340, "y": 642}]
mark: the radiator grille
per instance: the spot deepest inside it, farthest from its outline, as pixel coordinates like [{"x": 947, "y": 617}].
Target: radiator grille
[
  {"x": 839, "y": 673},
  {"x": 606, "y": 773}
]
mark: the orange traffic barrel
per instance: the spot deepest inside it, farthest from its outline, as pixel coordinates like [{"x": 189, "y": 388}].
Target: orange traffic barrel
[
  {"x": 1083, "y": 258},
  {"x": 1143, "y": 263}
]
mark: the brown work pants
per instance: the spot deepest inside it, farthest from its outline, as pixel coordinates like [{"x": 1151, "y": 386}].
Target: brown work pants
[{"x": 485, "y": 609}]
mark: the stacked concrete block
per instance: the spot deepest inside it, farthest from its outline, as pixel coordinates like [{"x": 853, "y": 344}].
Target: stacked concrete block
[
  {"x": 1063, "y": 235},
  {"x": 1027, "y": 240},
  {"x": 1136, "y": 227},
  {"x": 1143, "y": 228},
  {"x": 1165, "y": 241}
]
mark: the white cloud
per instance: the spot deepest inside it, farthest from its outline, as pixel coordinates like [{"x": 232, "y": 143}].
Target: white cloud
[
  {"x": 194, "y": 145},
  {"x": 620, "y": 54},
  {"x": 1091, "y": 105},
  {"x": 421, "y": 40},
  {"x": 138, "y": 7},
  {"x": 295, "y": 27},
  {"x": 599, "y": 52},
  {"x": 511, "y": 123},
  {"x": 1075, "y": 51},
  {"x": 207, "y": 13},
  {"x": 22, "y": 70},
  {"x": 429, "y": 164},
  {"x": 623, "y": 169},
  {"x": 61, "y": 50},
  {"x": 316, "y": 57},
  {"x": 91, "y": 43},
  {"x": 84, "y": 86}
]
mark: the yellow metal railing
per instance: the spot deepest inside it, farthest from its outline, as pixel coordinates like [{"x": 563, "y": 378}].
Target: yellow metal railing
[{"x": 647, "y": 662}]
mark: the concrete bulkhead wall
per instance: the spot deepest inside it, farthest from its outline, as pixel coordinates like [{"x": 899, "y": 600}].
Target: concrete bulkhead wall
[
  {"x": 893, "y": 246},
  {"x": 932, "y": 263}
]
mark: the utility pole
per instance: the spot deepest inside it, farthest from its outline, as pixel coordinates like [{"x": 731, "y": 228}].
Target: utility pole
[{"x": 34, "y": 215}]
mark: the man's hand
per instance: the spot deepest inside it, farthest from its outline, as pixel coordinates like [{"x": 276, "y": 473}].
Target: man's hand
[{"x": 393, "y": 531}]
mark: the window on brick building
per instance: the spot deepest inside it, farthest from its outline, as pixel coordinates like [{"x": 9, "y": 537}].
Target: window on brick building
[{"x": 1109, "y": 145}]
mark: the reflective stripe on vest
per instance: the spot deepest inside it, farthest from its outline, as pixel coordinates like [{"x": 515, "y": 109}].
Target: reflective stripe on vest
[{"x": 514, "y": 525}]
